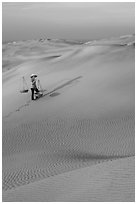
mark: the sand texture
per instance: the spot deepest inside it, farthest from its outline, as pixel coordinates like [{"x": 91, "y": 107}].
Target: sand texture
[{"x": 77, "y": 142}]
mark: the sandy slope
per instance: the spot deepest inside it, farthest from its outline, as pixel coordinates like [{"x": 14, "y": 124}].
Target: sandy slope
[
  {"x": 86, "y": 117},
  {"x": 107, "y": 182}
]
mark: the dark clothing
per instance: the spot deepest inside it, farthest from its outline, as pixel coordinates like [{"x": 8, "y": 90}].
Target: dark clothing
[
  {"x": 33, "y": 83},
  {"x": 32, "y": 92}
]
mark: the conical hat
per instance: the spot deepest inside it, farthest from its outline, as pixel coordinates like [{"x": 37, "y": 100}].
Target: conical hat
[{"x": 33, "y": 75}]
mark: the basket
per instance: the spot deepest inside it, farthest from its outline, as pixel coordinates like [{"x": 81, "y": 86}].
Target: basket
[{"x": 24, "y": 91}]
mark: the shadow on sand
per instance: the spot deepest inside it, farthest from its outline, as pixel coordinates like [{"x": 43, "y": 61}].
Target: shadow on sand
[
  {"x": 61, "y": 86},
  {"x": 85, "y": 156}
]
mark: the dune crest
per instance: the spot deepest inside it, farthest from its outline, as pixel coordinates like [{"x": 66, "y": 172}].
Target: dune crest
[{"x": 83, "y": 124}]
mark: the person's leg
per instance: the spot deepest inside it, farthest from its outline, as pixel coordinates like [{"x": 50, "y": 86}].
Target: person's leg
[
  {"x": 36, "y": 90},
  {"x": 32, "y": 94}
]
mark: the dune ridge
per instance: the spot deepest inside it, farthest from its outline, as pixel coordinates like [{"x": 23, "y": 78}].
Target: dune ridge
[
  {"x": 61, "y": 145},
  {"x": 84, "y": 123},
  {"x": 116, "y": 176}
]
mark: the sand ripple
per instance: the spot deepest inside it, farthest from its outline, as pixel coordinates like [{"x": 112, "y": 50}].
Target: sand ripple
[{"x": 38, "y": 150}]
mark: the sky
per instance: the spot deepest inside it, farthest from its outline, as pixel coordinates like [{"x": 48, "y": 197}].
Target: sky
[{"x": 77, "y": 21}]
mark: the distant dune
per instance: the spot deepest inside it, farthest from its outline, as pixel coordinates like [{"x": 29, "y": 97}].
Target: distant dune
[{"x": 77, "y": 142}]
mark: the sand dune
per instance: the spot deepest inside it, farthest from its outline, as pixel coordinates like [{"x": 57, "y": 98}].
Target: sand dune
[
  {"x": 62, "y": 145},
  {"x": 84, "y": 122},
  {"x": 106, "y": 182}
]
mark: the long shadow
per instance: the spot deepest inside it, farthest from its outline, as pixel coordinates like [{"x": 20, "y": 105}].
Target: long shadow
[
  {"x": 61, "y": 86},
  {"x": 50, "y": 57},
  {"x": 47, "y": 93}
]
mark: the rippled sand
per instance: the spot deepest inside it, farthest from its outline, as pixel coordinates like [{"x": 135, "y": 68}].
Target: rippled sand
[{"x": 76, "y": 143}]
